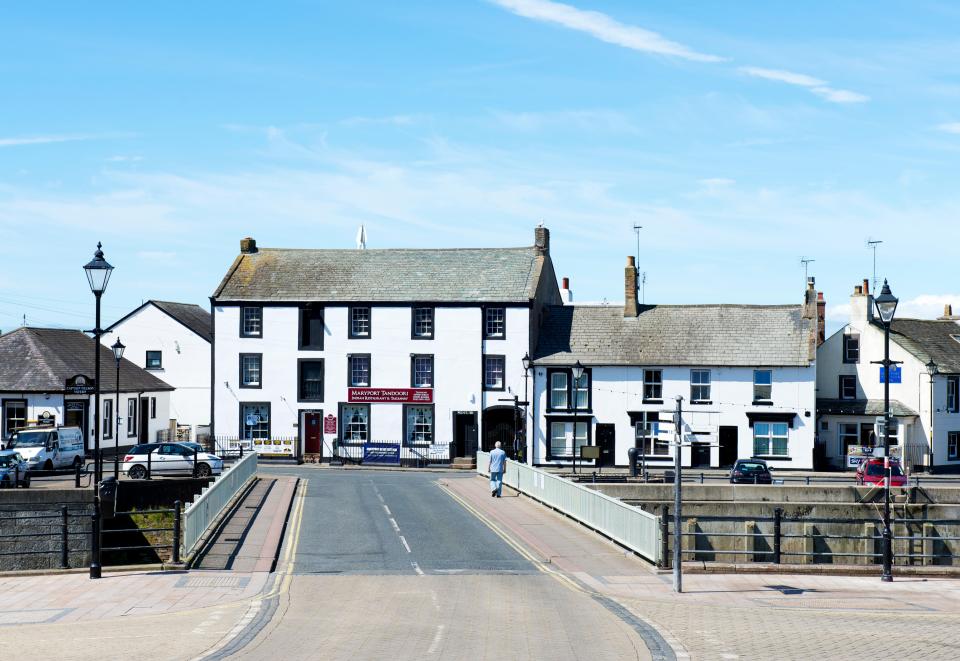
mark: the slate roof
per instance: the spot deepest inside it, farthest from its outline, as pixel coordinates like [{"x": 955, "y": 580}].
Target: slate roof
[
  {"x": 42, "y": 359},
  {"x": 926, "y": 339},
  {"x": 868, "y": 407},
  {"x": 194, "y": 317},
  {"x": 502, "y": 275},
  {"x": 676, "y": 335}
]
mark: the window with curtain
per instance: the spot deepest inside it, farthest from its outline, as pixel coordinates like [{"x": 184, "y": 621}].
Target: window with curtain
[
  {"x": 558, "y": 390},
  {"x": 255, "y": 421},
  {"x": 355, "y": 422},
  {"x": 419, "y": 424}
]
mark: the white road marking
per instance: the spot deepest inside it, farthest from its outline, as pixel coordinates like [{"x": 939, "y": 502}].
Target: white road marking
[
  {"x": 393, "y": 523},
  {"x": 405, "y": 545},
  {"x": 387, "y": 510},
  {"x": 416, "y": 568},
  {"x": 437, "y": 637}
]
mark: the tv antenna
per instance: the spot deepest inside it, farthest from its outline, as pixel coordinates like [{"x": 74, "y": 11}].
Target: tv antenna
[
  {"x": 806, "y": 261},
  {"x": 872, "y": 244},
  {"x": 643, "y": 288}
]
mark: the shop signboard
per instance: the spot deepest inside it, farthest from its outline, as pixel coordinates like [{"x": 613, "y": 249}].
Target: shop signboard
[
  {"x": 273, "y": 447},
  {"x": 390, "y": 395},
  {"x": 330, "y": 424},
  {"x": 79, "y": 385},
  {"x": 375, "y": 452}
]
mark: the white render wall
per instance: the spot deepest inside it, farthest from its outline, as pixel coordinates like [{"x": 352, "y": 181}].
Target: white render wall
[
  {"x": 53, "y": 403},
  {"x": 913, "y": 391},
  {"x": 457, "y": 347},
  {"x": 617, "y": 390},
  {"x": 185, "y": 360}
]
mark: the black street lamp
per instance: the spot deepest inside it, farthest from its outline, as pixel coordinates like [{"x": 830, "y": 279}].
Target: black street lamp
[
  {"x": 932, "y": 371},
  {"x": 527, "y": 364},
  {"x": 118, "y": 354},
  {"x": 886, "y": 304},
  {"x": 98, "y": 275},
  {"x": 577, "y": 375}
]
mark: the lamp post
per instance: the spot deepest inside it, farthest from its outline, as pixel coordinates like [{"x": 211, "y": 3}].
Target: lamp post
[
  {"x": 932, "y": 370},
  {"x": 118, "y": 354},
  {"x": 98, "y": 275},
  {"x": 577, "y": 372},
  {"x": 527, "y": 364},
  {"x": 886, "y": 304}
]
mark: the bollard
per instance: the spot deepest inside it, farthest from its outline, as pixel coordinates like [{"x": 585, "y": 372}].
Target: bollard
[
  {"x": 777, "y": 523},
  {"x": 64, "y": 532},
  {"x": 149, "y": 463},
  {"x": 632, "y": 461},
  {"x": 701, "y": 478},
  {"x": 176, "y": 531},
  {"x": 194, "y": 462},
  {"x": 76, "y": 477},
  {"x": 808, "y": 480}
]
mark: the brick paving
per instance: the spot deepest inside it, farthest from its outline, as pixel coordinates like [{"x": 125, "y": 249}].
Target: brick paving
[{"x": 740, "y": 616}]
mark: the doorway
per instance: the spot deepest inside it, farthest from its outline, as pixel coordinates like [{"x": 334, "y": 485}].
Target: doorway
[
  {"x": 606, "y": 441},
  {"x": 312, "y": 432},
  {"x": 729, "y": 452},
  {"x": 144, "y": 436},
  {"x": 700, "y": 455},
  {"x": 465, "y": 433},
  {"x": 499, "y": 425},
  {"x": 75, "y": 415}
]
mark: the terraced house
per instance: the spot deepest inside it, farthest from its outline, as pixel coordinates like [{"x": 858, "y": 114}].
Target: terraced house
[
  {"x": 747, "y": 375},
  {"x": 322, "y": 349}
]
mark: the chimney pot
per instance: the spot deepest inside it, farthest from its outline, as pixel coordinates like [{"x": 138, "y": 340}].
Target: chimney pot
[
  {"x": 811, "y": 283},
  {"x": 858, "y": 290},
  {"x": 948, "y": 310},
  {"x": 866, "y": 286},
  {"x": 566, "y": 283},
  {"x": 248, "y": 245}
]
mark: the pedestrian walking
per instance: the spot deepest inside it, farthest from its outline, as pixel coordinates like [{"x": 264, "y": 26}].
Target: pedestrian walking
[{"x": 498, "y": 462}]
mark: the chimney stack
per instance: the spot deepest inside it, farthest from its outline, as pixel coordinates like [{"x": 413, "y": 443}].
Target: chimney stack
[
  {"x": 566, "y": 294},
  {"x": 631, "y": 307},
  {"x": 861, "y": 305},
  {"x": 541, "y": 240},
  {"x": 248, "y": 246},
  {"x": 821, "y": 319},
  {"x": 948, "y": 313}
]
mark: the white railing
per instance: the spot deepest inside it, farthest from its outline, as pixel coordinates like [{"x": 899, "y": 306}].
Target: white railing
[
  {"x": 627, "y": 525},
  {"x": 202, "y": 512}
]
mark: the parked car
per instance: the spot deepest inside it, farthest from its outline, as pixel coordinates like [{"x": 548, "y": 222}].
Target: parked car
[
  {"x": 750, "y": 471},
  {"x": 169, "y": 459},
  {"x": 48, "y": 448},
  {"x": 872, "y": 471},
  {"x": 14, "y": 470}
]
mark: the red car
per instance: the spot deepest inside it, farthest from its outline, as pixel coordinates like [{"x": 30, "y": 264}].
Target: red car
[{"x": 872, "y": 471}]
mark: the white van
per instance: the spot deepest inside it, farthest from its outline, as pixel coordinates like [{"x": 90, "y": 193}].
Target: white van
[{"x": 46, "y": 448}]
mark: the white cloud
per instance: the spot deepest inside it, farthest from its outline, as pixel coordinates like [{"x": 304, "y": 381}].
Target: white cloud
[
  {"x": 815, "y": 85},
  {"x": 51, "y": 139},
  {"x": 950, "y": 127},
  {"x": 928, "y": 306},
  {"x": 603, "y": 27},
  {"x": 392, "y": 120}
]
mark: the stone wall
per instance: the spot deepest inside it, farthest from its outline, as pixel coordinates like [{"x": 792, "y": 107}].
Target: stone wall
[{"x": 36, "y": 515}]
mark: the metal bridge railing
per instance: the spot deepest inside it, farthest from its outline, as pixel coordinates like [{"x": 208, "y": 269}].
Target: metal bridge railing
[{"x": 202, "y": 512}]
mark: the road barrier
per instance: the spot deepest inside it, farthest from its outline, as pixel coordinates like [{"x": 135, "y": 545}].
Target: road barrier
[
  {"x": 625, "y": 524},
  {"x": 202, "y": 512}
]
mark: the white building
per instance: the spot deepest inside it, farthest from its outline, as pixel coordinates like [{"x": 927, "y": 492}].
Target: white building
[
  {"x": 172, "y": 341},
  {"x": 746, "y": 373},
  {"x": 46, "y": 377},
  {"x": 345, "y": 347},
  {"x": 924, "y": 389}
]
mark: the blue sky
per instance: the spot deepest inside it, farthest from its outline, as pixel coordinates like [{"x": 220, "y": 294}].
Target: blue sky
[{"x": 742, "y": 136}]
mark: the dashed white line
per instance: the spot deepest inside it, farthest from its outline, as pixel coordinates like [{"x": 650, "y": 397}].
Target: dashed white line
[
  {"x": 403, "y": 541},
  {"x": 437, "y": 637},
  {"x": 396, "y": 528},
  {"x": 416, "y": 568},
  {"x": 387, "y": 510}
]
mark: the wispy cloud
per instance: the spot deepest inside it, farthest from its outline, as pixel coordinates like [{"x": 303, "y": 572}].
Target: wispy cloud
[
  {"x": 391, "y": 120},
  {"x": 950, "y": 127},
  {"x": 819, "y": 87},
  {"x": 603, "y": 27},
  {"x": 51, "y": 139},
  {"x": 586, "y": 120}
]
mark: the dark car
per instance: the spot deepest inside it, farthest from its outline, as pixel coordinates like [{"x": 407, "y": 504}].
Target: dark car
[{"x": 750, "y": 471}]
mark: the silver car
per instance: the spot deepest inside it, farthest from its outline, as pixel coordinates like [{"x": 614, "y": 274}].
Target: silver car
[
  {"x": 14, "y": 470},
  {"x": 169, "y": 459}
]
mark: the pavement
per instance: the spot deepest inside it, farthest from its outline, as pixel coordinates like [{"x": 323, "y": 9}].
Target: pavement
[{"x": 394, "y": 565}]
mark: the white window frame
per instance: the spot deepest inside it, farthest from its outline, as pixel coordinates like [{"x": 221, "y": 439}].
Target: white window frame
[
  {"x": 495, "y": 323},
  {"x": 357, "y": 361},
  {"x": 556, "y": 391},
  {"x": 700, "y": 385},
  {"x": 251, "y": 325},
  {"x": 845, "y": 379},
  {"x": 492, "y": 366},
  {"x": 757, "y": 386},
  {"x": 569, "y": 442},
  {"x": 953, "y": 445},
  {"x": 418, "y": 371},
  {"x": 766, "y": 433},
  {"x": 355, "y": 430}
]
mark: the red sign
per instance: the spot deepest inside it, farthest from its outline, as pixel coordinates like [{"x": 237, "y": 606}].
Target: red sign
[
  {"x": 390, "y": 395},
  {"x": 330, "y": 424}
]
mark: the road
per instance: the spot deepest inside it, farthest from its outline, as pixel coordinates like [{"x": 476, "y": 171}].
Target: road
[{"x": 387, "y": 565}]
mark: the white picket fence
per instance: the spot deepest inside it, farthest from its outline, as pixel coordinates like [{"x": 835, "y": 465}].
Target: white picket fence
[
  {"x": 202, "y": 512},
  {"x": 627, "y": 525}
]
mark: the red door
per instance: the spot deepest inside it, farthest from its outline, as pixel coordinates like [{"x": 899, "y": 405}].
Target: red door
[{"x": 313, "y": 426}]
